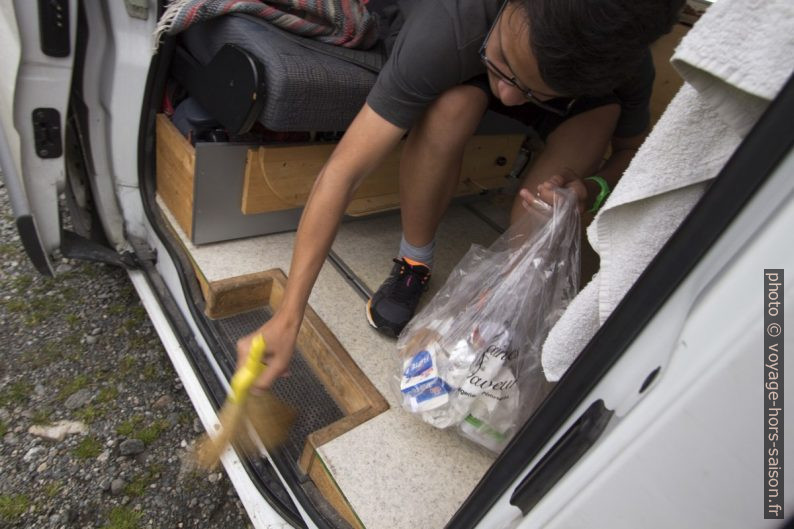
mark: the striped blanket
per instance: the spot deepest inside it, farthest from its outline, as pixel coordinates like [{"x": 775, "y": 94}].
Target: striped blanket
[{"x": 340, "y": 22}]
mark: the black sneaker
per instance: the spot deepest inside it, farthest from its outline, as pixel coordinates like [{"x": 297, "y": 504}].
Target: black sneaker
[{"x": 394, "y": 304}]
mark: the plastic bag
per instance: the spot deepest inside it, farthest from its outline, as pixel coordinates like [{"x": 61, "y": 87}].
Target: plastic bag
[{"x": 471, "y": 358}]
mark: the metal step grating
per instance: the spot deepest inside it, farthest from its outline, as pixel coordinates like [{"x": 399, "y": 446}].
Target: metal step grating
[{"x": 301, "y": 390}]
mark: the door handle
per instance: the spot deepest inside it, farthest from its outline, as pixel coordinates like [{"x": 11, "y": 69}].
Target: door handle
[{"x": 562, "y": 456}]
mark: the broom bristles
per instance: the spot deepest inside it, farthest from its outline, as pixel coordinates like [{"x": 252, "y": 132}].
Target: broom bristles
[{"x": 270, "y": 418}]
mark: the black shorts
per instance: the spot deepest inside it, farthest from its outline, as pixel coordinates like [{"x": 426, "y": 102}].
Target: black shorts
[{"x": 542, "y": 121}]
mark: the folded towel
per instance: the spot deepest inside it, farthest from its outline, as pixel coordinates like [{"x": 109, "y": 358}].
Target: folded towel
[
  {"x": 688, "y": 147},
  {"x": 728, "y": 85},
  {"x": 738, "y": 56}
]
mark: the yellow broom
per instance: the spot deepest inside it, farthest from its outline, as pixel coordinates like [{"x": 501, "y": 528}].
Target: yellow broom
[{"x": 270, "y": 418}]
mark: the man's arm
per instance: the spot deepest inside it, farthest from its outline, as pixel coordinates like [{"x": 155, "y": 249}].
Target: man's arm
[
  {"x": 623, "y": 150},
  {"x": 573, "y": 157},
  {"x": 574, "y": 150},
  {"x": 366, "y": 143}
]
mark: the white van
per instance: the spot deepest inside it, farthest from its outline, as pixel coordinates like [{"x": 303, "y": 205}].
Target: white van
[{"x": 657, "y": 424}]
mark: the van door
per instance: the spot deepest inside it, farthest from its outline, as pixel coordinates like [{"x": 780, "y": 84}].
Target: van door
[
  {"x": 670, "y": 378},
  {"x": 38, "y": 41}
]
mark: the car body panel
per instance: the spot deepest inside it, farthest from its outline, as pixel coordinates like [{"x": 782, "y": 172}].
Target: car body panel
[
  {"x": 42, "y": 81},
  {"x": 695, "y": 440},
  {"x": 117, "y": 58}
]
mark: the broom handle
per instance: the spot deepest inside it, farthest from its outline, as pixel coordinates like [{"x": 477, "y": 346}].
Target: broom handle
[{"x": 245, "y": 376}]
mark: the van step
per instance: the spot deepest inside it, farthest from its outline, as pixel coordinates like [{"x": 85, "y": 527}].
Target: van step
[
  {"x": 301, "y": 390},
  {"x": 368, "y": 471},
  {"x": 327, "y": 388}
]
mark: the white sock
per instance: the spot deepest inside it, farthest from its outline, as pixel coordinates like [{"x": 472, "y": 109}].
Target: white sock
[{"x": 423, "y": 254}]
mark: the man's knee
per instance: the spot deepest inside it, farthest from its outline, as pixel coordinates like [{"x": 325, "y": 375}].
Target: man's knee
[{"x": 454, "y": 116}]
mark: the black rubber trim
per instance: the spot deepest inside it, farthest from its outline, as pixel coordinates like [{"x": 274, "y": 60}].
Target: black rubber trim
[
  {"x": 749, "y": 167},
  {"x": 155, "y": 85},
  {"x": 30, "y": 241}
]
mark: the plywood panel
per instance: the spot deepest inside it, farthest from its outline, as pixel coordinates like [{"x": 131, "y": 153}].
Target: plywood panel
[
  {"x": 282, "y": 177},
  {"x": 175, "y": 166}
]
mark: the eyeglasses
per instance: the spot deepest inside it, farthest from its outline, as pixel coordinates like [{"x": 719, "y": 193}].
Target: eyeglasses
[{"x": 511, "y": 79}]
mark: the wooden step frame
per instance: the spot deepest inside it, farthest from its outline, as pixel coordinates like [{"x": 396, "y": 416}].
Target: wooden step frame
[{"x": 344, "y": 381}]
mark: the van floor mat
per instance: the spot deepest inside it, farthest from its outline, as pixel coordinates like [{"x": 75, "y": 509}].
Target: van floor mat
[{"x": 301, "y": 389}]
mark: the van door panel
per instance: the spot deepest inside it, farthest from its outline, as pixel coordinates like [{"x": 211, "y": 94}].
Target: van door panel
[{"x": 37, "y": 75}]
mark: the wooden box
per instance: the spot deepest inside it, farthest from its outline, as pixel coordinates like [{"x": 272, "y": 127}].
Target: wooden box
[{"x": 276, "y": 180}]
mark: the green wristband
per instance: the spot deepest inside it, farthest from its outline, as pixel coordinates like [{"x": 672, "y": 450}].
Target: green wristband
[{"x": 602, "y": 195}]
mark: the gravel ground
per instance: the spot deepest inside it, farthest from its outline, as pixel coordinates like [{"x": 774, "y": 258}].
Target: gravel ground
[{"x": 79, "y": 351}]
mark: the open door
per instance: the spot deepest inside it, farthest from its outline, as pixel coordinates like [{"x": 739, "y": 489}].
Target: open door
[
  {"x": 684, "y": 333},
  {"x": 38, "y": 42}
]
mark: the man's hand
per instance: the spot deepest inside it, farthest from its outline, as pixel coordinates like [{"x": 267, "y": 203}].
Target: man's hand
[
  {"x": 280, "y": 338},
  {"x": 573, "y": 151},
  {"x": 568, "y": 180}
]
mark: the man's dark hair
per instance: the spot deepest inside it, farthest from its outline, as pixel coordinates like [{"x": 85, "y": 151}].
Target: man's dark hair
[{"x": 589, "y": 47}]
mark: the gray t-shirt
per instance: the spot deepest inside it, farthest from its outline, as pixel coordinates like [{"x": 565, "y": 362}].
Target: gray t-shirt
[{"x": 438, "y": 48}]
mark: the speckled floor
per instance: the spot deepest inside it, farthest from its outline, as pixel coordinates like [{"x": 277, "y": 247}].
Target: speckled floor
[{"x": 393, "y": 460}]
